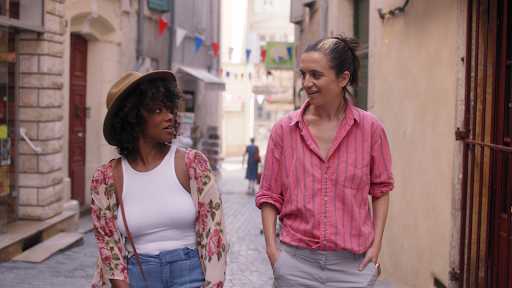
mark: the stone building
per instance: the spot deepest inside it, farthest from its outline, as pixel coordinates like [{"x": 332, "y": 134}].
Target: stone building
[
  {"x": 435, "y": 73},
  {"x": 58, "y": 59}
]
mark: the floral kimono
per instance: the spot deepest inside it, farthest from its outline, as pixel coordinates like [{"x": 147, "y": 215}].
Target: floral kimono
[{"x": 210, "y": 226}]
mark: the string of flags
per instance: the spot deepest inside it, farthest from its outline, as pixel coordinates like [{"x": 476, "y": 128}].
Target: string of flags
[{"x": 181, "y": 33}]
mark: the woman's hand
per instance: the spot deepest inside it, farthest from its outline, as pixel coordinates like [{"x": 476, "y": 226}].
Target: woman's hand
[
  {"x": 371, "y": 255},
  {"x": 272, "y": 256}
]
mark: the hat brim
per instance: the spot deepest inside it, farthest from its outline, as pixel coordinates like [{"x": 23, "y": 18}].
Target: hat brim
[{"x": 107, "y": 123}]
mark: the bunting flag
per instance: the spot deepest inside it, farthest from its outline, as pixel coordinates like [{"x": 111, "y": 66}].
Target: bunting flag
[
  {"x": 199, "y": 42},
  {"x": 289, "y": 50},
  {"x": 263, "y": 55},
  {"x": 162, "y": 24},
  {"x": 215, "y": 47},
  {"x": 276, "y": 54},
  {"x": 231, "y": 51},
  {"x": 250, "y": 76},
  {"x": 180, "y": 34},
  {"x": 227, "y": 74},
  {"x": 247, "y": 53},
  {"x": 242, "y": 75},
  {"x": 221, "y": 71}
]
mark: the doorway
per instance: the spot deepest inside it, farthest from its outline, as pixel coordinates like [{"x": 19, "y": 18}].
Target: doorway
[{"x": 77, "y": 93}]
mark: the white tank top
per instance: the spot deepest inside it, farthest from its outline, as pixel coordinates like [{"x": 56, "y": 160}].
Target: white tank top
[{"x": 159, "y": 211}]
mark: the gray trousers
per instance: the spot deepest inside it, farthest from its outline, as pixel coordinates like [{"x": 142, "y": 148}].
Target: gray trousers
[{"x": 302, "y": 267}]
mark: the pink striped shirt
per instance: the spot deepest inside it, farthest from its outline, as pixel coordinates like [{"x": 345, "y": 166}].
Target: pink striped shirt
[{"x": 323, "y": 203}]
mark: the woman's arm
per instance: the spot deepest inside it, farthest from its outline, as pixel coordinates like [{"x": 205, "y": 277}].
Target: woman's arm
[
  {"x": 119, "y": 283},
  {"x": 269, "y": 217},
  {"x": 380, "y": 213}
]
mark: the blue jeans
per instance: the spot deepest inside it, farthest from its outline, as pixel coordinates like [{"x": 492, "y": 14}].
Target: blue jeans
[{"x": 180, "y": 268}]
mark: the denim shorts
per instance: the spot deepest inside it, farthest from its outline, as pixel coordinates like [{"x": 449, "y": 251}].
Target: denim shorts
[{"x": 180, "y": 268}]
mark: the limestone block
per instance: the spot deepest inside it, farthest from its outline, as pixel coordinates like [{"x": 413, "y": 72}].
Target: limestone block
[
  {"x": 50, "y": 194},
  {"x": 48, "y": 146},
  {"x": 28, "y": 163},
  {"x": 41, "y": 81},
  {"x": 28, "y": 196},
  {"x": 50, "y": 162},
  {"x": 50, "y": 97},
  {"x": 40, "y": 114},
  {"x": 41, "y": 47},
  {"x": 36, "y": 180},
  {"x": 31, "y": 129},
  {"x": 50, "y": 130},
  {"x": 54, "y": 24},
  {"x": 51, "y": 65},
  {"x": 52, "y": 37},
  {"x": 28, "y": 97},
  {"x": 28, "y": 64},
  {"x": 33, "y": 47},
  {"x": 56, "y": 49},
  {"x": 28, "y": 35},
  {"x": 40, "y": 212},
  {"x": 55, "y": 8}
]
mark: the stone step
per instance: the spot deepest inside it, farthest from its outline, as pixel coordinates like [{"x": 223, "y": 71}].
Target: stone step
[
  {"x": 24, "y": 234},
  {"x": 47, "y": 248}
]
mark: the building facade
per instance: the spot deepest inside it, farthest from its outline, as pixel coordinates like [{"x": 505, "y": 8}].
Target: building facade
[
  {"x": 57, "y": 73},
  {"x": 255, "y": 97}
]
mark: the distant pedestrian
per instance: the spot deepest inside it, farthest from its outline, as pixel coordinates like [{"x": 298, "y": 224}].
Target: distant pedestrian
[
  {"x": 252, "y": 165},
  {"x": 166, "y": 196},
  {"x": 322, "y": 162}
]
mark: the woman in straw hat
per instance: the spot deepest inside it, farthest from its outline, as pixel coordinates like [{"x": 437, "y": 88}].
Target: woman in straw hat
[{"x": 167, "y": 197}]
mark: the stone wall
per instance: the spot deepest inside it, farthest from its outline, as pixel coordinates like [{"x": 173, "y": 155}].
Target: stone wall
[{"x": 41, "y": 59}]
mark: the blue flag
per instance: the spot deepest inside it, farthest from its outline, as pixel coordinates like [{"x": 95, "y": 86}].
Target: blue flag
[
  {"x": 199, "y": 41},
  {"x": 248, "y": 53}
]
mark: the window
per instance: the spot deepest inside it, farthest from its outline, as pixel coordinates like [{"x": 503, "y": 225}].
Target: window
[
  {"x": 25, "y": 14},
  {"x": 199, "y": 16},
  {"x": 189, "y": 101}
]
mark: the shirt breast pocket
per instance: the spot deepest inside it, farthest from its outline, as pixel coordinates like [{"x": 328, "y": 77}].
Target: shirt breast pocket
[{"x": 354, "y": 171}]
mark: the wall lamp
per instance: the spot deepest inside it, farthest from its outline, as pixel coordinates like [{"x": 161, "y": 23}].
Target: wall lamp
[{"x": 392, "y": 11}]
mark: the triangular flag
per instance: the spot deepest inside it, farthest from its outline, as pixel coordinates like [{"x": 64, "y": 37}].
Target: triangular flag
[
  {"x": 250, "y": 76},
  {"x": 276, "y": 54},
  {"x": 263, "y": 55},
  {"x": 248, "y": 53},
  {"x": 215, "y": 47},
  {"x": 199, "y": 41},
  {"x": 242, "y": 76},
  {"x": 180, "y": 34},
  {"x": 227, "y": 74},
  {"x": 231, "y": 51},
  {"x": 162, "y": 24},
  {"x": 221, "y": 70},
  {"x": 289, "y": 49}
]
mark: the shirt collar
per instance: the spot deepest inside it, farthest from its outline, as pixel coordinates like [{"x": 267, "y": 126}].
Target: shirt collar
[{"x": 350, "y": 112}]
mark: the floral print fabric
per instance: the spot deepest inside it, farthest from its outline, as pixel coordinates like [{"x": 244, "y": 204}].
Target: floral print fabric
[{"x": 210, "y": 226}]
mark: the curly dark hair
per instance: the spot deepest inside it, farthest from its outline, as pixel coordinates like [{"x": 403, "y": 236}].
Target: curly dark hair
[{"x": 128, "y": 121}]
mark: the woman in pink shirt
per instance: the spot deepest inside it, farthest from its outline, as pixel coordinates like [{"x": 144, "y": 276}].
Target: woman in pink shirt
[{"x": 322, "y": 162}]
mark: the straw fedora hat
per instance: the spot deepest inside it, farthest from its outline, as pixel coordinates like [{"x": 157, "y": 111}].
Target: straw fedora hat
[{"x": 121, "y": 89}]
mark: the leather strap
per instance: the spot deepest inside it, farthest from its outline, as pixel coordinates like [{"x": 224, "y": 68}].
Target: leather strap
[{"x": 117, "y": 171}]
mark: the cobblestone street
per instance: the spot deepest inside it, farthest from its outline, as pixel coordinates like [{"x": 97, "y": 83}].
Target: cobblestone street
[{"x": 248, "y": 265}]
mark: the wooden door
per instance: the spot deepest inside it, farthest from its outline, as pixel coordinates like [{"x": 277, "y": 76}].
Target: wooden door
[{"x": 77, "y": 81}]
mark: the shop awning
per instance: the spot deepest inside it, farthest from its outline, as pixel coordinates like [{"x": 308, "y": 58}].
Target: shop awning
[
  {"x": 280, "y": 102},
  {"x": 200, "y": 74}
]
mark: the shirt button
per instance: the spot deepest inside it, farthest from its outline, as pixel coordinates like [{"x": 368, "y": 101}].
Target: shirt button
[
  {"x": 325, "y": 242},
  {"x": 325, "y": 220},
  {"x": 325, "y": 198},
  {"x": 325, "y": 175}
]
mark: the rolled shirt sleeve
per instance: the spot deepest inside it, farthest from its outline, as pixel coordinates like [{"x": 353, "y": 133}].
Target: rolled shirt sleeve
[
  {"x": 381, "y": 177},
  {"x": 271, "y": 186}
]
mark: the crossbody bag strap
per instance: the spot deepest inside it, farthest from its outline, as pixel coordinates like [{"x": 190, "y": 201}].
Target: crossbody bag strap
[{"x": 117, "y": 170}]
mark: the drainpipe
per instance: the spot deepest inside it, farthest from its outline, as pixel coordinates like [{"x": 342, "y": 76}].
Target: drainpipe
[
  {"x": 139, "y": 36},
  {"x": 324, "y": 18},
  {"x": 171, "y": 35}
]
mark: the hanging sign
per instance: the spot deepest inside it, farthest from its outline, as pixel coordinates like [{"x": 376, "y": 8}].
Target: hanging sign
[{"x": 279, "y": 56}]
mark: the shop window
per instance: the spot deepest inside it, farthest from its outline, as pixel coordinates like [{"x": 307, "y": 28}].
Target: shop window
[
  {"x": 24, "y": 14},
  {"x": 189, "y": 101}
]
